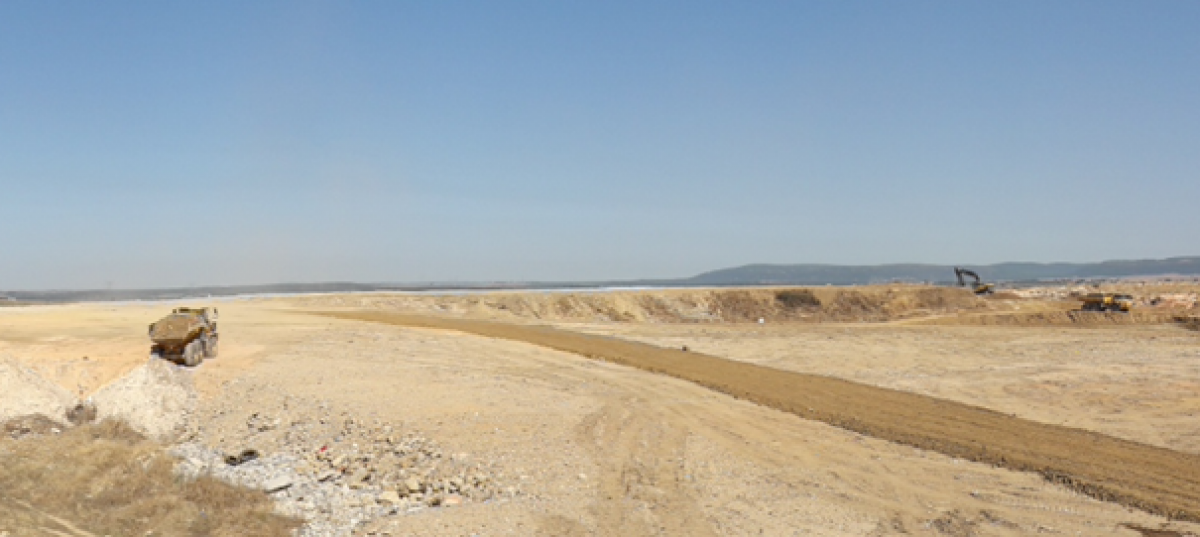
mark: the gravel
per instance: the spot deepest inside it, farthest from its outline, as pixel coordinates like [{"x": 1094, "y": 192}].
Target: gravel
[{"x": 338, "y": 473}]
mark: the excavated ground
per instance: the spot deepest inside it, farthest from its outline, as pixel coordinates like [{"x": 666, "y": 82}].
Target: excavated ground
[
  {"x": 580, "y": 446},
  {"x": 1089, "y": 319},
  {"x": 1153, "y": 479},
  {"x": 915, "y": 304}
]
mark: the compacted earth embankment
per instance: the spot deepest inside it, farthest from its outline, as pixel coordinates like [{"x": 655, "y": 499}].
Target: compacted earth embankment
[
  {"x": 912, "y": 304},
  {"x": 1153, "y": 479},
  {"x": 1081, "y": 319}
]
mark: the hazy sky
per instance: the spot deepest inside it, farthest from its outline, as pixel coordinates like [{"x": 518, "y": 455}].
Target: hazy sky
[{"x": 171, "y": 143}]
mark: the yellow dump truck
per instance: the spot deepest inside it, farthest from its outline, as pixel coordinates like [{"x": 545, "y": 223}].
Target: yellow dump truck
[
  {"x": 187, "y": 336},
  {"x": 1106, "y": 302}
]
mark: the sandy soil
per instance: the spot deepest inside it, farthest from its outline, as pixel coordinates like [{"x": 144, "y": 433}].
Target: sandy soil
[
  {"x": 602, "y": 449},
  {"x": 1138, "y": 383},
  {"x": 1156, "y": 479}
]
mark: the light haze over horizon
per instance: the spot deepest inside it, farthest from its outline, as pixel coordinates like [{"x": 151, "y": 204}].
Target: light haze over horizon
[{"x": 149, "y": 144}]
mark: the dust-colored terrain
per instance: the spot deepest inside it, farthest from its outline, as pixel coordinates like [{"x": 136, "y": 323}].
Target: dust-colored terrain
[
  {"x": 1155, "y": 479},
  {"x": 561, "y": 444}
]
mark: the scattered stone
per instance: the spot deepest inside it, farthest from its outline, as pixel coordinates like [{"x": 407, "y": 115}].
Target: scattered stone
[
  {"x": 34, "y": 424},
  {"x": 337, "y": 472},
  {"x": 413, "y": 484},
  {"x": 277, "y": 484},
  {"x": 82, "y": 413},
  {"x": 198, "y": 464},
  {"x": 243, "y": 457}
]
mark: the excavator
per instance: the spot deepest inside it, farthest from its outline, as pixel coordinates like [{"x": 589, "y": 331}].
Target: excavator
[{"x": 979, "y": 287}]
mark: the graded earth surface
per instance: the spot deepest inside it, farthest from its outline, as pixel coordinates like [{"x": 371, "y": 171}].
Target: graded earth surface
[{"x": 376, "y": 415}]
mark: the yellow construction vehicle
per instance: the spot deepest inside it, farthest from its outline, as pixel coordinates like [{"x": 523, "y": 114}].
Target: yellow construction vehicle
[
  {"x": 1106, "y": 302},
  {"x": 978, "y": 287},
  {"x": 187, "y": 336}
]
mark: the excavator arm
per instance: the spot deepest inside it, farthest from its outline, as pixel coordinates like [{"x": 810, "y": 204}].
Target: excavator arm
[
  {"x": 978, "y": 286},
  {"x": 960, "y": 272}
]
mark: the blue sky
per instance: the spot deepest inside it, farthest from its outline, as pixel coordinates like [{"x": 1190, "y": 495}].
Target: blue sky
[{"x": 159, "y": 144}]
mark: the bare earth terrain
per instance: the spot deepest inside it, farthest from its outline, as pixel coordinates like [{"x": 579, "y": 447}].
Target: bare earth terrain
[{"x": 546, "y": 442}]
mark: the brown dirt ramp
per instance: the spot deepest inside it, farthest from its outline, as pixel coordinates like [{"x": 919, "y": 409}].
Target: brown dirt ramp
[{"x": 1153, "y": 479}]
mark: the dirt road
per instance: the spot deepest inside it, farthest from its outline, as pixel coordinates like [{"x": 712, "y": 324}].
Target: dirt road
[{"x": 1150, "y": 478}]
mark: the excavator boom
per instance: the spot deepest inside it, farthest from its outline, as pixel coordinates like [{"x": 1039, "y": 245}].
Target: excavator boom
[{"x": 979, "y": 287}]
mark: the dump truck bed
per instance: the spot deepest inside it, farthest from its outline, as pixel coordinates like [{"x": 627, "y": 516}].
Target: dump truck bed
[{"x": 176, "y": 328}]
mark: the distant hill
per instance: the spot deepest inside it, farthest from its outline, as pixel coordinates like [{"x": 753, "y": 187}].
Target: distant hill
[
  {"x": 811, "y": 274},
  {"x": 745, "y": 275}
]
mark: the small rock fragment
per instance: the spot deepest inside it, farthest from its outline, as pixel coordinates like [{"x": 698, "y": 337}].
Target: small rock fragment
[
  {"x": 277, "y": 484},
  {"x": 413, "y": 484}
]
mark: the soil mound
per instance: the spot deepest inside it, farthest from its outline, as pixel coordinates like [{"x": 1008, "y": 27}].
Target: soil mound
[
  {"x": 23, "y": 392},
  {"x": 157, "y": 399},
  {"x": 1153, "y": 479}
]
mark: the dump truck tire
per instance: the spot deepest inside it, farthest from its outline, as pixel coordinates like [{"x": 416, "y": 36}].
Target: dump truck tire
[
  {"x": 211, "y": 347},
  {"x": 193, "y": 353}
]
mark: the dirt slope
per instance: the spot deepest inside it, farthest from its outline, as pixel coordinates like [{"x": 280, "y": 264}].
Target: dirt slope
[
  {"x": 817, "y": 304},
  {"x": 1154, "y": 479}
]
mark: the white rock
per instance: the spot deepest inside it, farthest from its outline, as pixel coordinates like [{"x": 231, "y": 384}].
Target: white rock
[
  {"x": 277, "y": 484},
  {"x": 413, "y": 484}
]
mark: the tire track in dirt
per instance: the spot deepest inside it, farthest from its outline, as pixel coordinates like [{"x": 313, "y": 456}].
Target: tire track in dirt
[
  {"x": 1153, "y": 479},
  {"x": 645, "y": 472}
]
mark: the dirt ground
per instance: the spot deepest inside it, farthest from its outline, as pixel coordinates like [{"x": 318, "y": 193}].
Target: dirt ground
[
  {"x": 1162, "y": 481},
  {"x": 594, "y": 448}
]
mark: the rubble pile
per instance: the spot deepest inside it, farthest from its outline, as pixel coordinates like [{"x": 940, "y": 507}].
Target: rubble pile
[
  {"x": 1176, "y": 300},
  {"x": 340, "y": 473}
]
